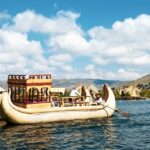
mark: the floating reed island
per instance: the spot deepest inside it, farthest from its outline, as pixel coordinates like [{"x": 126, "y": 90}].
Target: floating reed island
[{"x": 32, "y": 99}]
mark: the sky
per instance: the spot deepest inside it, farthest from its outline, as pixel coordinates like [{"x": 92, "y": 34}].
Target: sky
[{"x": 96, "y": 39}]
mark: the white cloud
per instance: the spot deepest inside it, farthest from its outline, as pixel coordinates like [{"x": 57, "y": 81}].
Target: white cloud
[
  {"x": 90, "y": 72},
  {"x": 60, "y": 58},
  {"x": 61, "y": 62},
  {"x": 67, "y": 68},
  {"x": 90, "y": 67},
  {"x": 11, "y": 58},
  {"x": 4, "y": 15},
  {"x": 17, "y": 52},
  {"x": 142, "y": 60},
  {"x": 123, "y": 74},
  {"x": 70, "y": 42},
  {"x": 31, "y": 21},
  {"x": 106, "y": 45},
  {"x": 99, "y": 60},
  {"x": 11, "y": 41},
  {"x": 126, "y": 45}
]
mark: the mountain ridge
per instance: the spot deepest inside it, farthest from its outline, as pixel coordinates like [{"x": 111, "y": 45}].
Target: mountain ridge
[
  {"x": 143, "y": 80},
  {"x": 97, "y": 82},
  {"x": 69, "y": 83}
]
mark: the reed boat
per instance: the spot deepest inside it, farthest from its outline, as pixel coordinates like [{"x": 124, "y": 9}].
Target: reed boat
[{"x": 21, "y": 105}]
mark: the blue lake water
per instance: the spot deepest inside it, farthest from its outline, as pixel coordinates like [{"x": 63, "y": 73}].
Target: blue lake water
[{"x": 111, "y": 133}]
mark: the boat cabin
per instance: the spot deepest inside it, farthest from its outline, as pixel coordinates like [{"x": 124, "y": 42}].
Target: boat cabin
[
  {"x": 30, "y": 89},
  {"x": 35, "y": 91}
]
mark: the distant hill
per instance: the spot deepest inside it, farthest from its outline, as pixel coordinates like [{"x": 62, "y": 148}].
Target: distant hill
[
  {"x": 73, "y": 82},
  {"x": 69, "y": 83},
  {"x": 143, "y": 80}
]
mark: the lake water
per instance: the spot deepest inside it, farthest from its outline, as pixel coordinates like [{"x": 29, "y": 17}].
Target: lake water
[{"x": 112, "y": 133}]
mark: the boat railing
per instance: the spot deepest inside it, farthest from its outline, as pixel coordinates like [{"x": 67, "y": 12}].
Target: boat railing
[
  {"x": 75, "y": 101},
  {"x": 60, "y": 101},
  {"x": 29, "y": 98},
  {"x": 40, "y": 76},
  {"x": 17, "y": 77},
  {"x": 24, "y": 77}
]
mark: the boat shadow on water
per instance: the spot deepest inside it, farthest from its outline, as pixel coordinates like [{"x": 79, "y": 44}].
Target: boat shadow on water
[{"x": 77, "y": 134}]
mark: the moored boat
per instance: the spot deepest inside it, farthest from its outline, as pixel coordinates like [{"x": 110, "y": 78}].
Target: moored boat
[{"x": 29, "y": 101}]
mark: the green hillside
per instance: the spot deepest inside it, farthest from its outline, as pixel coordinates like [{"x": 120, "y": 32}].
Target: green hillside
[{"x": 143, "y": 80}]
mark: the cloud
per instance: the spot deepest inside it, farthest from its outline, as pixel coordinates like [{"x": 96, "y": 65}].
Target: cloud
[
  {"x": 107, "y": 45},
  {"x": 11, "y": 41},
  {"x": 60, "y": 58},
  {"x": 4, "y": 15},
  {"x": 70, "y": 42},
  {"x": 17, "y": 52},
  {"x": 8, "y": 58},
  {"x": 123, "y": 74},
  {"x": 31, "y": 21},
  {"x": 121, "y": 52},
  {"x": 99, "y": 60},
  {"x": 124, "y": 43},
  {"x": 90, "y": 67},
  {"x": 139, "y": 61},
  {"x": 61, "y": 61}
]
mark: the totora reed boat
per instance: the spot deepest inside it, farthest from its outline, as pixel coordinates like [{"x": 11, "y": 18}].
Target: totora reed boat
[{"x": 30, "y": 100}]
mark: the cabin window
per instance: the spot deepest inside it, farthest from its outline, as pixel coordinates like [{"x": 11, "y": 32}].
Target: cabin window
[
  {"x": 33, "y": 94},
  {"x": 44, "y": 93}
]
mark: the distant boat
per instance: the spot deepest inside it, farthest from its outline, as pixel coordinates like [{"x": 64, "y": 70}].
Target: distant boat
[{"x": 21, "y": 105}]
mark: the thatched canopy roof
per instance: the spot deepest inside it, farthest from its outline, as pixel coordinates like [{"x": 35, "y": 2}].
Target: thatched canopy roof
[{"x": 92, "y": 88}]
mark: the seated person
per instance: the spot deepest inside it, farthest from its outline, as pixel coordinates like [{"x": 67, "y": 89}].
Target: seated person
[
  {"x": 98, "y": 99},
  {"x": 74, "y": 92}
]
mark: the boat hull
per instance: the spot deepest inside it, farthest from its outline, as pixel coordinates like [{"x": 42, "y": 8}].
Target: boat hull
[{"x": 17, "y": 115}]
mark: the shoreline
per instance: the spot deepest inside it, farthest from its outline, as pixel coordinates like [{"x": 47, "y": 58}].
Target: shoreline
[{"x": 132, "y": 98}]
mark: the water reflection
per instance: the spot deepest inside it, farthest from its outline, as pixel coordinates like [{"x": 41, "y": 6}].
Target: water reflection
[
  {"x": 73, "y": 135},
  {"x": 25, "y": 136}
]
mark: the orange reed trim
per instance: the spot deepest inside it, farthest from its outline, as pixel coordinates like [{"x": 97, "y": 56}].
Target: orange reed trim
[{"x": 38, "y": 84}]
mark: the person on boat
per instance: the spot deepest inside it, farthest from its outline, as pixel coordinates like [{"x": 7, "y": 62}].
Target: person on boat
[
  {"x": 98, "y": 99},
  {"x": 74, "y": 92}
]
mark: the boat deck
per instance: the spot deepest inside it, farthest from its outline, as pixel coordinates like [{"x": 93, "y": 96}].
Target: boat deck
[{"x": 53, "y": 101}]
